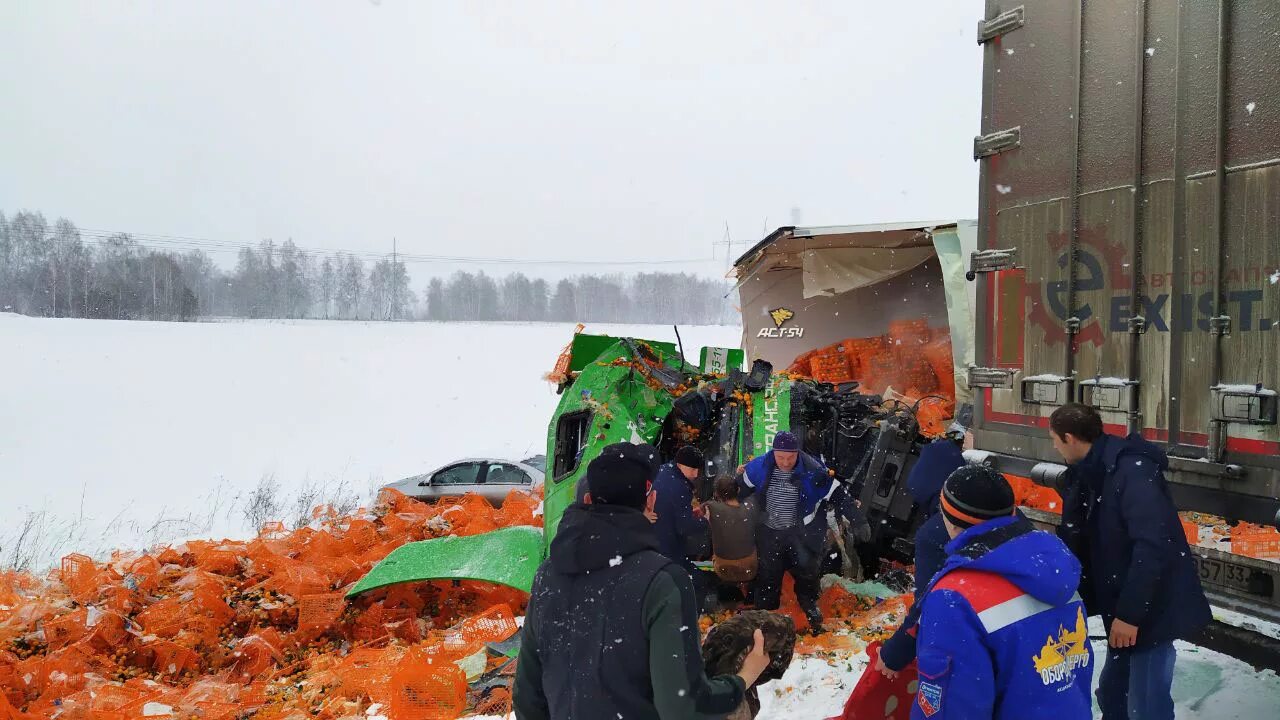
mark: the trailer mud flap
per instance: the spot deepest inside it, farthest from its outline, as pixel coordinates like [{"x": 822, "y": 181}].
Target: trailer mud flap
[{"x": 508, "y": 556}]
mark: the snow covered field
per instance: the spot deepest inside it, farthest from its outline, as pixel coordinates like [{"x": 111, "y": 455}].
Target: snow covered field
[{"x": 131, "y": 433}]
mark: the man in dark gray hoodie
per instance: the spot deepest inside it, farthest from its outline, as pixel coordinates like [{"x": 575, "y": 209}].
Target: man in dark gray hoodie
[{"x": 605, "y": 579}]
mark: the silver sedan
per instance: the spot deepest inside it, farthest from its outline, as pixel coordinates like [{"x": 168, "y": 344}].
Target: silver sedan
[{"x": 489, "y": 477}]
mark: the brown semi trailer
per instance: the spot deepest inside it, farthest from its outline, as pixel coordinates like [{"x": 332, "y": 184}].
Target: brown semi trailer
[{"x": 1129, "y": 252}]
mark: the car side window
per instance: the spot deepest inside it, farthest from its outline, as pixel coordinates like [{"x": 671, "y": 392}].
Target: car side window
[
  {"x": 502, "y": 474},
  {"x": 464, "y": 474}
]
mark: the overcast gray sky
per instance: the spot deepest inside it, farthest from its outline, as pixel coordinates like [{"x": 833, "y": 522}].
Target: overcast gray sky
[{"x": 530, "y": 130}]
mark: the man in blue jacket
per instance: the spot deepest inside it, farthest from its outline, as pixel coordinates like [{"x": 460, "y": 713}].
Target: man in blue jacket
[
  {"x": 1119, "y": 519},
  {"x": 677, "y": 521},
  {"x": 792, "y": 489},
  {"x": 1002, "y": 630}
]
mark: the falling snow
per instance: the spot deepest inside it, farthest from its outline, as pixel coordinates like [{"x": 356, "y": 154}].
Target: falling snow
[
  {"x": 1004, "y": 189},
  {"x": 1251, "y": 107}
]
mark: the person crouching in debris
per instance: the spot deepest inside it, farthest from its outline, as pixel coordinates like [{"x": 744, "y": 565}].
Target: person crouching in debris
[
  {"x": 1002, "y": 629},
  {"x": 676, "y": 520},
  {"x": 791, "y": 489},
  {"x": 605, "y": 579},
  {"x": 733, "y": 533}
]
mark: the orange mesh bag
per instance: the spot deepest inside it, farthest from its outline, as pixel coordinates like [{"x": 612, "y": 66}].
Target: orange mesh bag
[
  {"x": 321, "y": 611},
  {"x": 143, "y": 574},
  {"x": 220, "y": 560},
  {"x": 207, "y": 600},
  {"x": 362, "y": 534},
  {"x": 108, "y": 632},
  {"x": 518, "y": 509},
  {"x": 493, "y": 625},
  {"x": 367, "y": 671},
  {"x": 322, "y": 546},
  {"x": 497, "y": 701},
  {"x": 423, "y": 689},
  {"x": 255, "y": 656},
  {"x": 172, "y": 659},
  {"x": 163, "y": 618},
  {"x": 64, "y": 630},
  {"x": 170, "y": 556},
  {"x": 296, "y": 579}
]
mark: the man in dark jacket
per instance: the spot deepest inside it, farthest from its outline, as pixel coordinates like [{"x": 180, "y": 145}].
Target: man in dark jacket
[
  {"x": 1002, "y": 629},
  {"x": 1120, "y": 520},
  {"x": 677, "y": 522},
  {"x": 674, "y": 506},
  {"x": 937, "y": 461},
  {"x": 606, "y": 579},
  {"x": 792, "y": 490}
]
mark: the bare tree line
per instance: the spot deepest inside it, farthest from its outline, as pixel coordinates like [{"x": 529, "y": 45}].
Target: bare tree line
[{"x": 52, "y": 271}]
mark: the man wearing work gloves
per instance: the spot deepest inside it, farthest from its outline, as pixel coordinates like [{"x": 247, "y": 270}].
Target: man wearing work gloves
[
  {"x": 1119, "y": 519},
  {"x": 1002, "y": 629},
  {"x": 791, "y": 489},
  {"x": 606, "y": 579}
]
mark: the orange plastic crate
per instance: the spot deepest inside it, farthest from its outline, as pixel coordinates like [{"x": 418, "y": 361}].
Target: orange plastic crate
[{"x": 1256, "y": 541}]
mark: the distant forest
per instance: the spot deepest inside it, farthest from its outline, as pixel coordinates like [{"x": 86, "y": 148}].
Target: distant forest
[{"x": 58, "y": 271}]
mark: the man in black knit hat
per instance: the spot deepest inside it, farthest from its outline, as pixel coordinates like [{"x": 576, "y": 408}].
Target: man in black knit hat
[{"x": 606, "y": 579}]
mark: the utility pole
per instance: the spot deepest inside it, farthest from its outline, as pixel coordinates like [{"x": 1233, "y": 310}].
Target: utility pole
[{"x": 395, "y": 282}]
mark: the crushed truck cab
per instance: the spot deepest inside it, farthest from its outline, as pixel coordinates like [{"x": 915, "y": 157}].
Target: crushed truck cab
[{"x": 630, "y": 390}]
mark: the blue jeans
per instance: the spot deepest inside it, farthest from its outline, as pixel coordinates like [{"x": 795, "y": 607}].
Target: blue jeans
[{"x": 1137, "y": 684}]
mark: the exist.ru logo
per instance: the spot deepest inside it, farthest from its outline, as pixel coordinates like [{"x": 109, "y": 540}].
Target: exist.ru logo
[{"x": 781, "y": 316}]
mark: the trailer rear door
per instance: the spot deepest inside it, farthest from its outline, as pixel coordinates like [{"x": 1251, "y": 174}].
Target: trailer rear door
[{"x": 1131, "y": 158}]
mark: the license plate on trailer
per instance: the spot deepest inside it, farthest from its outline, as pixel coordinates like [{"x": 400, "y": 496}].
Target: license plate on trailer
[{"x": 1224, "y": 573}]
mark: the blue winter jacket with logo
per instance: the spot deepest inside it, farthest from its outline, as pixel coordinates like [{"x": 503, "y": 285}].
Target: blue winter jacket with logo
[{"x": 1002, "y": 630}]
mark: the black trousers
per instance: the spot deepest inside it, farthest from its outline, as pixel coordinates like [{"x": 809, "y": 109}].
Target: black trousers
[{"x": 782, "y": 551}]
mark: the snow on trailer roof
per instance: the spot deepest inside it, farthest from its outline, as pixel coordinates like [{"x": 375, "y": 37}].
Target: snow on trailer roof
[{"x": 791, "y": 239}]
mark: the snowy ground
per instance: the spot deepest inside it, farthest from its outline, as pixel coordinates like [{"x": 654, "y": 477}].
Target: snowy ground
[{"x": 131, "y": 433}]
